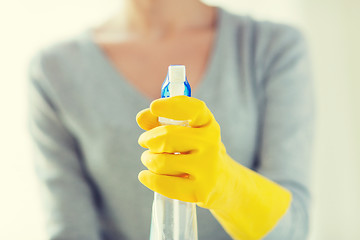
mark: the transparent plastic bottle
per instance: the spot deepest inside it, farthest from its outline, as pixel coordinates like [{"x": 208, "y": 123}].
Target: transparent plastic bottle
[{"x": 173, "y": 219}]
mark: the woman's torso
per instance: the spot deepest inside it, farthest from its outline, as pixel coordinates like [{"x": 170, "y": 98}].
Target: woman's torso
[{"x": 99, "y": 106}]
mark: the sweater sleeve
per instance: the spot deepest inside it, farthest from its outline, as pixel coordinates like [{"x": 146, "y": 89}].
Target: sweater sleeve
[
  {"x": 286, "y": 136},
  {"x": 70, "y": 212}
]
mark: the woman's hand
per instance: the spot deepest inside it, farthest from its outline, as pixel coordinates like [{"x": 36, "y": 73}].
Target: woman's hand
[
  {"x": 193, "y": 175},
  {"x": 246, "y": 204}
]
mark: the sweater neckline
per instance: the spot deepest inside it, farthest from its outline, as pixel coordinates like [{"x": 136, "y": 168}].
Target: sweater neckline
[{"x": 208, "y": 77}]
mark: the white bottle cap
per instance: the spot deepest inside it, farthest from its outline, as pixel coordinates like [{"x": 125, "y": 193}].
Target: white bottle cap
[
  {"x": 177, "y": 78},
  {"x": 176, "y": 73}
]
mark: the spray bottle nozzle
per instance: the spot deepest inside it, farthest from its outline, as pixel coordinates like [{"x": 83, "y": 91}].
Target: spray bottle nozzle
[{"x": 175, "y": 83}]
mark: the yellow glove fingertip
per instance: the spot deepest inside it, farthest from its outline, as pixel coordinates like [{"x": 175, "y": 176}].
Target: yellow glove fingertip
[
  {"x": 141, "y": 140},
  {"x": 174, "y": 107},
  {"x": 144, "y": 177},
  {"x": 146, "y": 120},
  {"x": 161, "y": 103}
]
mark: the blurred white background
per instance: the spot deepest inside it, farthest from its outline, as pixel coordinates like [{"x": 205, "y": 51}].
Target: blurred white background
[{"x": 332, "y": 28}]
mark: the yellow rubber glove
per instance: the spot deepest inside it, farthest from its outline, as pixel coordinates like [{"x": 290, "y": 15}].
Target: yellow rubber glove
[{"x": 245, "y": 203}]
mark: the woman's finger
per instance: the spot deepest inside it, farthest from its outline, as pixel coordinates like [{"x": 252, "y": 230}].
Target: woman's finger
[
  {"x": 146, "y": 120},
  {"x": 179, "y": 188},
  {"x": 168, "y": 164},
  {"x": 171, "y": 139},
  {"x": 182, "y": 108}
]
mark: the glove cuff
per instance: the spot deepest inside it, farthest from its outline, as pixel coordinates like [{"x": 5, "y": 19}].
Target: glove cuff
[{"x": 247, "y": 204}]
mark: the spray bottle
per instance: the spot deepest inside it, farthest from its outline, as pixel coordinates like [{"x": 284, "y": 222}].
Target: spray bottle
[{"x": 173, "y": 219}]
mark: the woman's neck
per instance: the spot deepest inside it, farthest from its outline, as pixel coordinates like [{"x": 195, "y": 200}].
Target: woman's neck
[{"x": 157, "y": 19}]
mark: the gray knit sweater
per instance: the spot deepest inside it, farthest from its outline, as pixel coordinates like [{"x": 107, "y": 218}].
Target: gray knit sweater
[{"x": 82, "y": 114}]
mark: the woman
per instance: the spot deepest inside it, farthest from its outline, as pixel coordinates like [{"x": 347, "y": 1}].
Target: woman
[{"x": 253, "y": 76}]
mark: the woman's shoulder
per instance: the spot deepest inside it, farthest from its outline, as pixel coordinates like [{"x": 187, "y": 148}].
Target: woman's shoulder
[
  {"x": 264, "y": 37},
  {"x": 261, "y": 43},
  {"x": 263, "y": 29},
  {"x": 65, "y": 51},
  {"x": 59, "y": 60}
]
